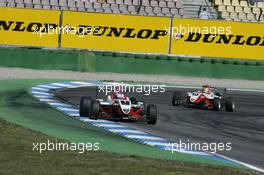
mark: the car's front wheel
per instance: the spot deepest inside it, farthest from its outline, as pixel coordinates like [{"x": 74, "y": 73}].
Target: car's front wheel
[
  {"x": 216, "y": 104},
  {"x": 229, "y": 104},
  {"x": 84, "y": 107},
  {"x": 152, "y": 114},
  {"x": 176, "y": 98}
]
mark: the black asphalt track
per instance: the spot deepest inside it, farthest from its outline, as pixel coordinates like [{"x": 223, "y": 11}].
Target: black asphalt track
[{"x": 244, "y": 128}]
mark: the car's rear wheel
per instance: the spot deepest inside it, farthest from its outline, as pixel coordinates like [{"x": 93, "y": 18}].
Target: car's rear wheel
[
  {"x": 152, "y": 114},
  {"x": 84, "y": 108},
  {"x": 216, "y": 104},
  {"x": 188, "y": 102},
  {"x": 176, "y": 98},
  {"x": 229, "y": 104},
  {"x": 95, "y": 106}
]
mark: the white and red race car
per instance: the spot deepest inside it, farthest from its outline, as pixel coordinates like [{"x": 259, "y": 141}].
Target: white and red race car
[
  {"x": 205, "y": 98},
  {"x": 118, "y": 106}
]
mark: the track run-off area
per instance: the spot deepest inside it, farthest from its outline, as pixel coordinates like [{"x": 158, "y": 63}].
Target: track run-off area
[{"x": 242, "y": 128}]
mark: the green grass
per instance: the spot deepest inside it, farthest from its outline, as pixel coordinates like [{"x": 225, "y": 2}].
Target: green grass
[
  {"x": 17, "y": 106},
  {"x": 17, "y": 157},
  {"x": 130, "y": 63}
]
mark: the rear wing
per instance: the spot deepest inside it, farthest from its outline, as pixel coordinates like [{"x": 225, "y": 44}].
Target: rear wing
[{"x": 220, "y": 90}]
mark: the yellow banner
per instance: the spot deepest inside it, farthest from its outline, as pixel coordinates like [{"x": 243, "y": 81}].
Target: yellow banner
[
  {"x": 217, "y": 38},
  {"x": 29, "y": 27},
  {"x": 115, "y": 32}
]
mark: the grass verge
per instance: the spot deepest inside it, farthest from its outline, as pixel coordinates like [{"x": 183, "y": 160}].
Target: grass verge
[{"x": 17, "y": 157}]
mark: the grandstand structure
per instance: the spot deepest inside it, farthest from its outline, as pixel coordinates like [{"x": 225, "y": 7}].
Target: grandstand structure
[
  {"x": 141, "y": 7},
  {"x": 231, "y": 10},
  {"x": 241, "y": 10}
]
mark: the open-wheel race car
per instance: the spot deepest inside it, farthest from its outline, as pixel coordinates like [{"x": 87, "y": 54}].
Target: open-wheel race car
[
  {"x": 118, "y": 106},
  {"x": 207, "y": 98}
]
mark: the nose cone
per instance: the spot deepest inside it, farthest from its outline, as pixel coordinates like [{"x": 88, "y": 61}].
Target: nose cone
[
  {"x": 125, "y": 109},
  {"x": 125, "y": 106}
]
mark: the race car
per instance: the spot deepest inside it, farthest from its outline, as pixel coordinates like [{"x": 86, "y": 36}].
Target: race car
[
  {"x": 205, "y": 98},
  {"x": 118, "y": 106}
]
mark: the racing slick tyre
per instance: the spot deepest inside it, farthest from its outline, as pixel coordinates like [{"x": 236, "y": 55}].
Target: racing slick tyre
[
  {"x": 151, "y": 114},
  {"x": 176, "y": 98},
  {"x": 84, "y": 107},
  {"x": 188, "y": 102},
  {"x": 94, "y": 109},
  {"x": 229, "y": 104},
  {"x": 217, "y": 104}
]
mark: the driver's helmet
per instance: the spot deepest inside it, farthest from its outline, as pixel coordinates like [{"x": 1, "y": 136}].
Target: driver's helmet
[
  {"x": 207, "y": 89},
  {"x": 118, "y": 92},
  {"x": 117, "y": 89}
]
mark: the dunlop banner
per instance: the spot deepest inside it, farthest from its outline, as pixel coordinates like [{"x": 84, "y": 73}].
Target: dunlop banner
[
  {"x": 29, "y": 27},
  {"x": 217, "y": 38},
  {"x": 114, "y": 32}
]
